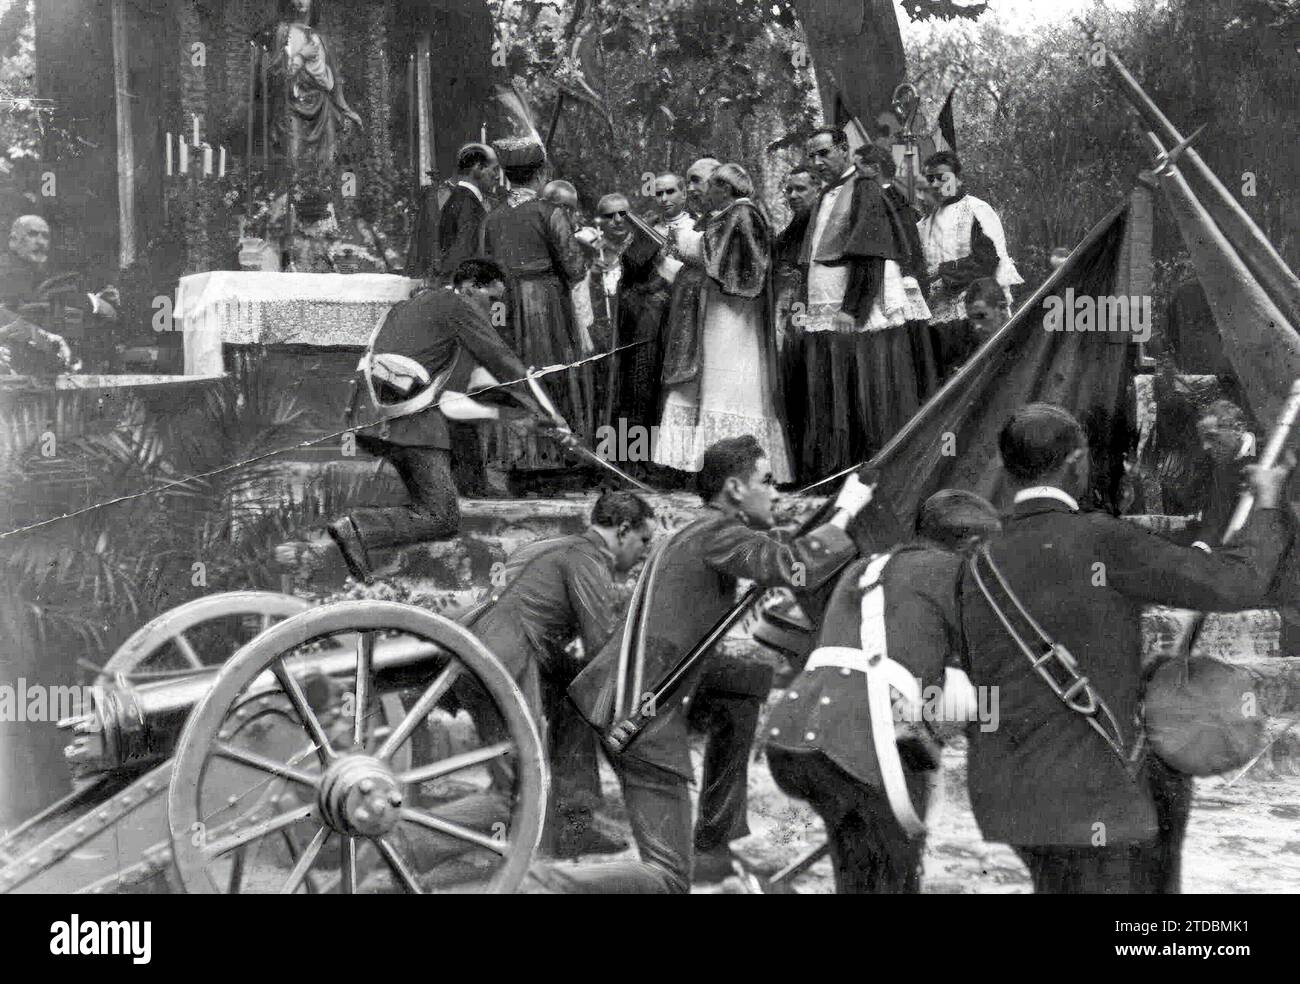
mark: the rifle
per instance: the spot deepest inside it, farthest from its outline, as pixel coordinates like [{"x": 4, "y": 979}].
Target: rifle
[{"x": 644, "y": 712}]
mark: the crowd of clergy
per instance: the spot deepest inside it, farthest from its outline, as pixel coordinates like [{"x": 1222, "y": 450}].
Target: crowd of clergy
[{"x": 820, "y": 339}]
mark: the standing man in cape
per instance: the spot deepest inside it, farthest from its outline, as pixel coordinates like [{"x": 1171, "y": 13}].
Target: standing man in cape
[
  {"x": 687, "y": 585},
  {"x": 683, "y": 320},
  {"x": 858, "y": 359},
  {"x": 733, "y": 376}
]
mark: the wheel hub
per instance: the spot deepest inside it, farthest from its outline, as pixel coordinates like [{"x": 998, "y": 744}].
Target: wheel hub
[{"x": 360, "y": 796}]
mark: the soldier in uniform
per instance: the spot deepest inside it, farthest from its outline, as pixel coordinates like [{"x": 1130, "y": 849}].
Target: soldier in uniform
[
  {"x": 442, "y": 330},
  {"x": 688, "y": 584},
  {"x": 1046, "y": 781},
  {"x": 819, "y": 737},
  {"x": 558, "y": 590}
]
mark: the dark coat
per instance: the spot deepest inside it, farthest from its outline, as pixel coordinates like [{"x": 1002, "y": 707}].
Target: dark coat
[
  {"x": 557, "y": 590},
  {"x": 922, "y": 631},
  {"x": 433, "y": 327},
  {"x": 1043, "y": 776},
  {"x": 696, "y": 585},
  {"x": 1224, "y": 485},
  {"x": 458, "y": 229}
]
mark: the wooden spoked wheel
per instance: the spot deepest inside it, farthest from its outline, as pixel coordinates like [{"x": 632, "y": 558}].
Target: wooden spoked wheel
[
  {"x": 469, "y": 821},
  {"x": 198, "y": 635}
]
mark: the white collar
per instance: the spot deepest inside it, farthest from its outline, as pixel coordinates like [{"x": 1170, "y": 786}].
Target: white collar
[
  {"x": 1046, "y": 492},
  {"x": 473, "y": 188},
  {"x": 852, "y": 169},
  {"x": 1247, "y": 445}
]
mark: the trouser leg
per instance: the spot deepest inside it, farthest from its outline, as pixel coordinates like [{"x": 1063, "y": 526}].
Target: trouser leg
[
  {"x": 870, "y": 852},
  {"x": 467, "y": 465},
  {"x": 433, "y": 512},
  {"x": 659, "y": 810},
  {"x": 1158, "y": 867},
  {"x": 575, "y": 772},
  {"x": 729, "y": 722},
  {"x": 1065, "y": 870}
]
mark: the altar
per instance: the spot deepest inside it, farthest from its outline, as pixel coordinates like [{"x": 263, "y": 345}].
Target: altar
[{"x": 246, "y": 308}]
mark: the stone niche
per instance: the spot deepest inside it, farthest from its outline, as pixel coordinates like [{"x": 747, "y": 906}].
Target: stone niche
[{"x": 372, "y": 178}]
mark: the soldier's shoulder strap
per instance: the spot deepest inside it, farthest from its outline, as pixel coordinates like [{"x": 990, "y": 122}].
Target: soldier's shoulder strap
[{"x": 884, "y": 675}]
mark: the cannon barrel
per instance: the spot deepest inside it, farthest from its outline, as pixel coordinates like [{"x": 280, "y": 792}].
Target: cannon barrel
[{"x": 136, "y": 723}]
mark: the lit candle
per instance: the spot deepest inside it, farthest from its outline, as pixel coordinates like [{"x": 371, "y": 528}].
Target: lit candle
[
  {"x": 221, "y": 164},
  {"x": 185, "y": 156},
  {"x": 196, "y": 130},
  {"x": 207, "y": 159},
  {"x": 169, "y": 155}
]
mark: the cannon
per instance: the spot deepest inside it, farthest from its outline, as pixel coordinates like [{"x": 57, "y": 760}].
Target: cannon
[{"x": 356, "y": 747}]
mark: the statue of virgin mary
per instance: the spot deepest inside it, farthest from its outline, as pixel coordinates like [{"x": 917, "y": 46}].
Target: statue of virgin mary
[{"x": 303, "y": 89}]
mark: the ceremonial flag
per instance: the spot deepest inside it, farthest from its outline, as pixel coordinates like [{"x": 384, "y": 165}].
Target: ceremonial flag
[
  {"x": 952, "y": 440},
  {"x": 857, "y": 53},
  {"x": 1262, "y": 346},
  {"x": 947, "y": 130}
]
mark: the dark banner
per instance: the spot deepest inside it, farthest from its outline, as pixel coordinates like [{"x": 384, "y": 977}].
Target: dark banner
[
  {"x": 1047, "y": 352},
  {"x": 857, "y": 52}
]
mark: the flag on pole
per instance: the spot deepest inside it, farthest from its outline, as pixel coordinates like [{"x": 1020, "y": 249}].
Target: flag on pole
[{"x": 947, "y": 136}]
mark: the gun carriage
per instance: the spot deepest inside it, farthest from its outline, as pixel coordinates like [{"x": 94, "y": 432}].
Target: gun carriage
[{"x": 357, "y": 747}]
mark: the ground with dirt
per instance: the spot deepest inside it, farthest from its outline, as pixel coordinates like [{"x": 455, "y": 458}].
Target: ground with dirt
[{"x": 1244, "y": 837}]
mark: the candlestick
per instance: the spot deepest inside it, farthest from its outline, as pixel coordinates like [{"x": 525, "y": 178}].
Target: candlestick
[
  {"x": 169, "y": 155},
  {"x": 207, "y": 159},
  {"x": 185, "y": 156},
  {"x": 196, "y": 130},
  {"x": 221, "y": 164}
]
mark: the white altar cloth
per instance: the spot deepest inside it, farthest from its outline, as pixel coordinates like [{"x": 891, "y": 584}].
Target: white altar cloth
[{"x": 250, "y": 307}]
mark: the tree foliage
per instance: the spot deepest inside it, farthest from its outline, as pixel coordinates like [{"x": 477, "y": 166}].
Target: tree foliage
[{"x": 1047, "y": 138}]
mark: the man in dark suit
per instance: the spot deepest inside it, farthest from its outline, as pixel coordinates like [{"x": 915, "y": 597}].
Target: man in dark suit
[
  {"x": 1046, "y": 781},
  {"x": 447, "y": 225},
  {"x": 820, "y": 736},
  {"x": 443, "y": 329},
  {"x": 477, "y": 174},
  {"x": 459, "y": 222},
  {"x": 688, "y": 584},
  {"x": 555, "y": 591}
]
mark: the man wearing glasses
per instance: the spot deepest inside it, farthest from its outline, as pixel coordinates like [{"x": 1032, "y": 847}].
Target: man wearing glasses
[{"x": 963, "y": 241}]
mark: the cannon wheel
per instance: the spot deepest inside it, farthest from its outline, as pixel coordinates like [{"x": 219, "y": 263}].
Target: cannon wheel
[
  {"x": 336, "y": 788},
  {"x": 144, "y": 655},
  {"x": 161, "y": 649}
]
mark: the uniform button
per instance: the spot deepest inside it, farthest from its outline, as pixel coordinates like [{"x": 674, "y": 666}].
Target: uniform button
[
  {"x": 845, "y": 671},
  {"x": 792, "y": 695},
  {"x": 825, "y": 701},
  {"x": 685, "y": 701},
  {"x": 774, "y": 732},
  {"x": 809, "y": 736}
]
